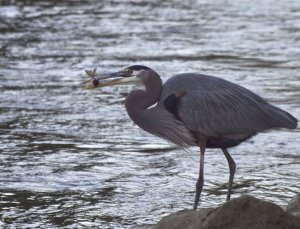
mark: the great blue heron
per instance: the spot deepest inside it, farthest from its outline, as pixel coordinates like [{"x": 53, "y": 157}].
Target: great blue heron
[{"x": 196, "y": 110}]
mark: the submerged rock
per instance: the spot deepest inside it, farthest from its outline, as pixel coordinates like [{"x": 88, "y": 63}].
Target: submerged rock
[
  {"x": 245, "y": 212},
  {"x": 293, "y": 206}
]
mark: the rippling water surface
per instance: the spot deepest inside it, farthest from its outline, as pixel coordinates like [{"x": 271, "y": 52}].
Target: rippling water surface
[{"x": 72, "y": 158}]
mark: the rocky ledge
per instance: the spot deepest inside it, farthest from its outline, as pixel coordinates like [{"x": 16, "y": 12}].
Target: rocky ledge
[{"x": 245, "y": 212}]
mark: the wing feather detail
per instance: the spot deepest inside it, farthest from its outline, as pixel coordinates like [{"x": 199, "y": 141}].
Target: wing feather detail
[{"x": 215, "y": 107}]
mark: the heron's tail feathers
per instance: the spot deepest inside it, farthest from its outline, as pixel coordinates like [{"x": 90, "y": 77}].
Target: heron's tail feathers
[{"x": 281, "y": 118}]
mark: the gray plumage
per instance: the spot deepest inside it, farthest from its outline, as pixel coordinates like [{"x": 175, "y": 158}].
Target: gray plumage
[
  {"x": 198, "y": 110},
  {"x": 211, "y": 107},
  {"x": 216, "y": 107}
]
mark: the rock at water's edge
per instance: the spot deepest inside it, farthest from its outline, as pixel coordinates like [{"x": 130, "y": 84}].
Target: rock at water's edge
[
  {"x": 293, "y": 206},
  {"x": 245, "y": 212}
]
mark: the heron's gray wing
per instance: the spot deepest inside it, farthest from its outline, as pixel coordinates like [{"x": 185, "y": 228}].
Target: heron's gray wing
[{"x": 216, "y": 107}]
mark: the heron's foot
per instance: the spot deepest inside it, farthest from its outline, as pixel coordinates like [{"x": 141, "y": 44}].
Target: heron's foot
[{"x": 92, "y": 82}]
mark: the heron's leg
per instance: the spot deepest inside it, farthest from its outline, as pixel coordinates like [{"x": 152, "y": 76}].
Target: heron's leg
[
  {"x": 232, "y": 168},
  {"x": 200, "y": 181}
]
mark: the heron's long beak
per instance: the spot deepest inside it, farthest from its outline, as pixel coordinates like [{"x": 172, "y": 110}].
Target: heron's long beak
[{"x": 119, "y": 77}]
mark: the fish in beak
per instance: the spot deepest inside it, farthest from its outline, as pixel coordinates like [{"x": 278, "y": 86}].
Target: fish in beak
[{"x": 121, "y": 77}]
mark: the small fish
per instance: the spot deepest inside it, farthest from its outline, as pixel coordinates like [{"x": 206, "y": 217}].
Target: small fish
[
  {"x": 92, "y": 82},
  {"x": 91, "y": 73}
]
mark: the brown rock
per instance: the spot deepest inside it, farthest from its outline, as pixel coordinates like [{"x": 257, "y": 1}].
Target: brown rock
[
  {"x": 245, "y": 212},
  {"x": 184, "y": 219},
  {"x": 293, "y": 206}
]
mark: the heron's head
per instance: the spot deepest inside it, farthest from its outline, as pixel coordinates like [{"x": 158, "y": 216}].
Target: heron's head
[{"x": 135, "y": 74}]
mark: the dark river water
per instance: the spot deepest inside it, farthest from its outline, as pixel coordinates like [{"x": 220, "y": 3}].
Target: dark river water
[{"x": 71, "y": 158}]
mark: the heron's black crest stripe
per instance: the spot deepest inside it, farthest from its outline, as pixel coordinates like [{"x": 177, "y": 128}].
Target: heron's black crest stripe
[{"x": 138, "y": 67}]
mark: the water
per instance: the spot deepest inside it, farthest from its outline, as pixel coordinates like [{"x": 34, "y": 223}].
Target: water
[{"x": 71, "y": 158}]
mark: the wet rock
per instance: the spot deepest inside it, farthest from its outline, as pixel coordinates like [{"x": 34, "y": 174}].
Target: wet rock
[
  {"x": 293, "y": 206},
  {"x": 245, "y": 212},
  {"x": 142, "y": 227}
]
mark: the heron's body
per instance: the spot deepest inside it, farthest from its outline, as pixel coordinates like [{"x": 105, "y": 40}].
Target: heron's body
[
  {"x": 206, "y": 106},
  {"x": 198, "y": 110}
]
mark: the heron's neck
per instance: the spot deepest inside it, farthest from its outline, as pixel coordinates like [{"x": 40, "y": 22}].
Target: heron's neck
[{"x": 138, "y": 101}]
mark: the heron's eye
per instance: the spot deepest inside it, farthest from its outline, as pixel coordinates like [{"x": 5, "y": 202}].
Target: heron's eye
[
  {"x": 126, "y": 72},
  {"x": 129, "y": 71}
]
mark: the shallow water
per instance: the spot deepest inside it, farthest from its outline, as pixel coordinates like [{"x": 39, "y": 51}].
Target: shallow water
[{"x": 71, "y": 158}]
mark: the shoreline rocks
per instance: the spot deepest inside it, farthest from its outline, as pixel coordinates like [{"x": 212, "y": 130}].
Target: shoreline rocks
[
  {"x": 245, "y": 212},
  {"x": 293, "y": 206}
]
